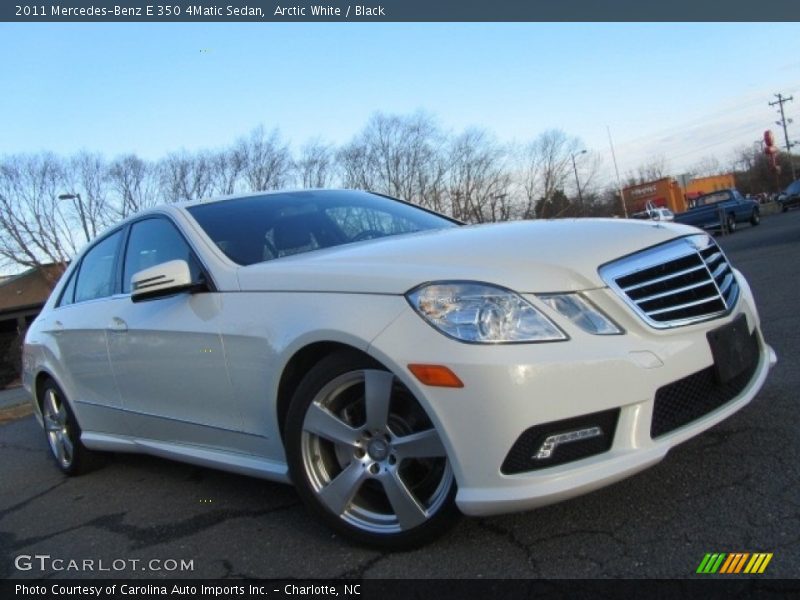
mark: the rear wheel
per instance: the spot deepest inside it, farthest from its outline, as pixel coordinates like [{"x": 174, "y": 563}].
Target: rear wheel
[
  {"x": 731, "y": 224},
  {"x": 63, "y": 432},
  {"x": 366, "y": 458}
]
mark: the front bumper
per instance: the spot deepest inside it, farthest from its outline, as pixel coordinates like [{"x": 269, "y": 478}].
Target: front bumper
[{"x": 509, "y": 388}]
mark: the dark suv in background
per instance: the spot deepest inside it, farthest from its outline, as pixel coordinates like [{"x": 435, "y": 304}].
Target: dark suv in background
[{"x": 790, "y": 197}]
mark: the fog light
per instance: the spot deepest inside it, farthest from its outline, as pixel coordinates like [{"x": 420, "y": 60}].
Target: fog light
[{"x": 552, "y": 442}]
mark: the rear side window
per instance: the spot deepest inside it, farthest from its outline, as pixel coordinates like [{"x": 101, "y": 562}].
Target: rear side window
[
  {"x": 96, "y": 276},
  {"x": 68, "y": 295},
  {"x": 152, "y": 242}
]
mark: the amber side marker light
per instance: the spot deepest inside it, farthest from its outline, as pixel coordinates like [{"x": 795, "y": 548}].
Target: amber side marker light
[{"x": 436, "y": 375}]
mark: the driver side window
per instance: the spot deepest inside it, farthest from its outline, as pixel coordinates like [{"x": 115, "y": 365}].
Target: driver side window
[{"x": 152, "y": 242}]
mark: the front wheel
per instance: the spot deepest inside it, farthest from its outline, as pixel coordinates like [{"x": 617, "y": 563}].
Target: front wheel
[
  {"x": 366, "y": 458},
  {"x": 755, "y": 219}
]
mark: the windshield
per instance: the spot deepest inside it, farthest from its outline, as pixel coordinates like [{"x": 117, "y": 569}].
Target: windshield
[{"x": 260, "y": 228}]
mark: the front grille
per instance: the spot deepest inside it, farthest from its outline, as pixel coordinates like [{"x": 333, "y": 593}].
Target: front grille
[
  {"x": 521, "y": 456},
  {"x": 696, "y": 395},
  {"x": 681, "y": 282}
]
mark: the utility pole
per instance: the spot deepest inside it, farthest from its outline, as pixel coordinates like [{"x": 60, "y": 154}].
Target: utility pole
[
  {"x": 780, "y": 102},
  {"x": 616, "y": 170},
  {"x": 578, "y": 181}
]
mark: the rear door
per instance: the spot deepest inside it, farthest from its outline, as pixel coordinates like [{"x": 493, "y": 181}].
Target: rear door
[{"x": 78, "y": 325}]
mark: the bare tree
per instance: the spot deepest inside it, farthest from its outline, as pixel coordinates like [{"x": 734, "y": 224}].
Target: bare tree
[
  {"x": 185, "y": 176},
  {"x": 546, "y": 165},
  {"x": 227, "y": 170},
  {"x": 479, "y": 183},
  {"x": 706, "y": 166},
  {"x": 656, "y": 168},
  {"x": 589, "y": 167},
  {"x": 397, "y": 155},
  {"x": 267, "y": 160},
  {"x": 87, "y": 175},
  {"x": 35, "y": 228},
  {"x": 315, "y": 165},
  {"x": 353, "y": 164},
  {"x": 134, "y": 183},
  {"x": 529, "y": 178}
]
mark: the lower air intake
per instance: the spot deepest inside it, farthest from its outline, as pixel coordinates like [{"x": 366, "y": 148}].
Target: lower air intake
[{"x": 692, "y": 397}]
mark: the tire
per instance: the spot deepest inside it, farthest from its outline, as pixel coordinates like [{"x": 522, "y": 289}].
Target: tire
[
  {"x": 348, "y": 427},
  {"x": 755, "y": 218},
  {"x": 62, "y": 432},
  {"x": 731, "y": 224}
]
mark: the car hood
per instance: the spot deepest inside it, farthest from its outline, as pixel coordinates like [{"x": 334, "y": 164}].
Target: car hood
[{"x": 525, "y": 256}]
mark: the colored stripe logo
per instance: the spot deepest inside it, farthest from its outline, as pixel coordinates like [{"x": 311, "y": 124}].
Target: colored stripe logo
[{"x": 734, "y": 563}]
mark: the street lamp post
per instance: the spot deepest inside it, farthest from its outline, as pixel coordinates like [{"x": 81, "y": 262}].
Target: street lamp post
[
  {"x": 81, "y": 212},
  {"x": 577, "y": 181}
]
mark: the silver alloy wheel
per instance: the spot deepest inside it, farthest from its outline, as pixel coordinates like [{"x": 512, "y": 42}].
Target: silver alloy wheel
[
  {"x": 57, "y": 427},
  {"x": 372, "y": 456}
]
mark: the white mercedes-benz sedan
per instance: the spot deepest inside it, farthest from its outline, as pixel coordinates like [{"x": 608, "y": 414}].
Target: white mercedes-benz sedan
[{"x": 396, "y": 366}]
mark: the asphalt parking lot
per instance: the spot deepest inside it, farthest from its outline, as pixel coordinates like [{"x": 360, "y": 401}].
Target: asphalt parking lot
[{"x": 734, "y": 489}]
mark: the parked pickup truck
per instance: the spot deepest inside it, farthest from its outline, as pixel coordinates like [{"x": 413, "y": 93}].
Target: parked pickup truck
[{"x": 722, "y": 209}]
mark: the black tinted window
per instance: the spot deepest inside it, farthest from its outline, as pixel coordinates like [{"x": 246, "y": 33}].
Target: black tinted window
[
  {"x": 96, "y": 276},
  {"x": 258, "y": 228},
  {"x": 152, "y": 242}
]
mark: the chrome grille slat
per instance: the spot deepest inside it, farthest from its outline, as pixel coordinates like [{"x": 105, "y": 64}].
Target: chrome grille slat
[
  {"x": 726, "y": 283},
  {"x": 714, "y": 298},
  {"x": 664, "y": 278},
  {"x": 719, "y": 270},
  {"x": 683, "y": 281},
  {"x": 671, "y": 292}
]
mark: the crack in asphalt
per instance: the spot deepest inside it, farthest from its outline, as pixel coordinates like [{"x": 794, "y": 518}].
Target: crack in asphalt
[
  {"x": 360, "y": 570},
  {"x": 231, "y": 574},
  {"x": 15, "y": 507},
  {"x": 511, "y": 537},
  {"x": 6, "y": 446},
  {"x": 144, "y": 537},
  {"x": 573, "y": 532}
]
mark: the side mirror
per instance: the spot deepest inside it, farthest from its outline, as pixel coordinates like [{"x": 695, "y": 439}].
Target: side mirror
[{"x": 161, "y": 280}]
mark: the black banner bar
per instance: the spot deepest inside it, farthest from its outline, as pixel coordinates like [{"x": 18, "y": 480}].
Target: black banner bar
[
  {"x": 397, "y": 10},
  {"x": 709, "y": 588}
]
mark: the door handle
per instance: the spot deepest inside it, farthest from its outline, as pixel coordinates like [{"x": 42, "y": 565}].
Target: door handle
[
  {"x": 118, "y": 325},
  {"x": 58, "y": 327}
]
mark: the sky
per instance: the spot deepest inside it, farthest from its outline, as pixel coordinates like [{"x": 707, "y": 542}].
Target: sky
[{"x": 680, "y": 92}]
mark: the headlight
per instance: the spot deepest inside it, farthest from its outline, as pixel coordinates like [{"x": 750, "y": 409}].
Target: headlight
[
  {"x": 581, "y": 313},
  {"x": 482, "y": 313}
]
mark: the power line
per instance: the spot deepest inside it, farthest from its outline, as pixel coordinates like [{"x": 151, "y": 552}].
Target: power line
[{"x": 780, "y": 101}]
